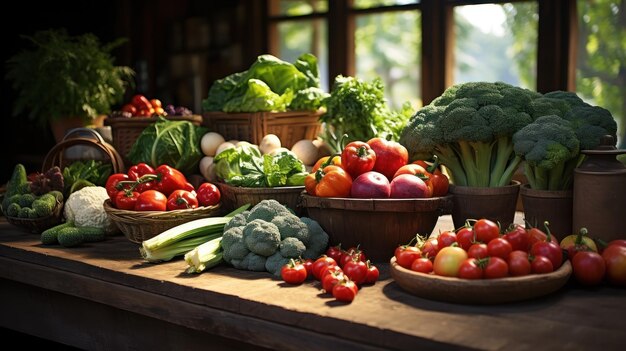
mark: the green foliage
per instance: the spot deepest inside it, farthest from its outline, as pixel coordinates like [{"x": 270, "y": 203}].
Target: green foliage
[{"x": 65, "y": 76}]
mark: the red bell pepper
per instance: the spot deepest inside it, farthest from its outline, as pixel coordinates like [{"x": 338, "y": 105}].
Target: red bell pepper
[
  {"x": 357, "y": 158},
  {"x": 181, "y": 199},
  {"x": 112, "y": 184},
  {"x": 137, "y": 171}
]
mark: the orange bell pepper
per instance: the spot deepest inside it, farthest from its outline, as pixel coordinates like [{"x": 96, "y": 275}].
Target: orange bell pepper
[{"x": 328, "y": 181}]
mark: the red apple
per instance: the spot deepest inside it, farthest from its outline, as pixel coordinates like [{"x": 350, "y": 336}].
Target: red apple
[
  {"x": 408, "y": 186},
  {"x": 390, "y": 156},
  {"x": 370, "y": 185}
]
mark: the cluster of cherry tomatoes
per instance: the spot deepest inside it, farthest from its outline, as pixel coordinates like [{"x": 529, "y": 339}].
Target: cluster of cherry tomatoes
[
  {"x": 479, "y": 251},
  {"x": 375, "y": 169},
  {"x": 141, "y": 106},
  {"x": 340, "y": 272},
  {"x": 162, "y": 189}
]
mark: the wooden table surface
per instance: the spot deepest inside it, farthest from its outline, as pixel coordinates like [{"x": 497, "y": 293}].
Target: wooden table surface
[{"x": 254, "y": 309}]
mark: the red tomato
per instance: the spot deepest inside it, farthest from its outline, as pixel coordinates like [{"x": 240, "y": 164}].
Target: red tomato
[
  {"x": 372, "y": 273},
  {"x": 496, "y": 268},
  {"x": 541, "y": 265},
  {"x": 486, "y": 230},
  {"x": 345, "y": 290},
  {"x": 351, "y": 253},
  {"x": 181, "y": 199},
  {"x": 536, "y": 234},
  {"x": 422, "y": 265},
  {"x": 465, "y": 237},
  {"x": 430, "y": 248},
  {"x": 589, "y": 267},
  {"x": 328, "y": 270},
  {"x": 470, "y": 269},
  {"x": 308, "y": 264},
  {"x": 330, "y": 280},
  {"x": 140, "y": 102},
  {"x": 616, "y": 242},
  {"x": 550, "y": 250},
  {"x": 151, "y": 200},
  {"x": 126, "y": 200},
  {"x": 293, "y": 272},
  {"x": 112, "y": 185},
  {"x": 499, "y": 247},
  {"x": 357, "y": 158},
  {"x": 407, "y": 255},
  {"x": 335, "y": 252},
  {"x": 578, "y": 242},
  {"x": 518, "y": 263},
  {"x": 615, "y": 260},
  {"x": 390, "y": 156},
  {"x": 320, "y": 263},
  {"x": 448, "y": 261},
  {"x": 446, "y": 238},
  {"x": 356, "y": 270},
  {"x": 208, "y": 194},
  {"x": 478, "y": 251},
  {"x": 130, "y": 109},
  {"x": 517, "y": 236}
]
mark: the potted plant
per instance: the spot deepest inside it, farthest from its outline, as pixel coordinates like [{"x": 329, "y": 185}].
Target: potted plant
[{"x": 66, "y": 78}]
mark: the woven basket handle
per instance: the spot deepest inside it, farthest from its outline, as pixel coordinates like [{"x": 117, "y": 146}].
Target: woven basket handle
[{"x": 55, "y": 155}]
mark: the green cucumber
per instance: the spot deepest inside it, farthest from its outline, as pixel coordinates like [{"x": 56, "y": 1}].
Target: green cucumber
[
  {"x": 50, "y": 235},
  {"x": 70, "y": 237}
]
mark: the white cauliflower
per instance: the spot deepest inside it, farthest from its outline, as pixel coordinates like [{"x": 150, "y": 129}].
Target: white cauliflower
[{"x": 85, "y": 208}]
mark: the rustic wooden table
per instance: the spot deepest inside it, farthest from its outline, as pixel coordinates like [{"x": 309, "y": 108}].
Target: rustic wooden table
[{"x": 102, "y": 296}]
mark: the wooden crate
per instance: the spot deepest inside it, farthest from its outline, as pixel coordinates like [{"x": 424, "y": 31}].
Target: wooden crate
[{"x": 252, "y": 127}]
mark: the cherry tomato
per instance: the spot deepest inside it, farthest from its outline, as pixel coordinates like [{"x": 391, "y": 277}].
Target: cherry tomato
[
  {"x": 345, "y": 290},
  {"x": 356, "y": 270},
  {"x": 422, "y": 265},
  {"x": 589, "y": 267},
  {"x": 351, "y": 253},
  {"x": 126, "y": 200},
  {"x": 407, "y": 255},
  {"x": 446, "y": 238},
  {"x": 308, "y": 264},
  {"x": 335, "y": 252},
  {"x": 331, "y": 279},
  {"x": 499, "y": 247},
  {"x": 329, "y": 269},
  {"x": 615, "y": 260},
  {"x": 478, "y": 251},
  {"x": 518, "y": 263},
  {"x": 372, "y": 273},
  {"x": 151, "y": 200},
  {"x": 536, "y": 235},
  {"x": 208, "y": 194},
  {"x": 496, "y": 268},
  {"x": 293, "y": 272},
  {"x": 541, "y": 265},
  {"x": 465, "y": 237},
  {"x": 470, "y": 269},
  {"x": 448, "y": 261},
  {"x": 320, "y": 263},
  {"x": 550, "y": 250},
  {"x": 517, "y": 236},
  {"x": 486, "y": 230},
  {"x": 181, "y": 199},
  {"x": 430, "y": 248}
]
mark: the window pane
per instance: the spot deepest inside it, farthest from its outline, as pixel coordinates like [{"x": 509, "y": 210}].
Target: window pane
[
  {"x": 601, "y": 64},
  {"x": 496, "y": 43},
  {"x": 392, "y": 54},
  {"x": 299, "y": 37},
  {"x": 301, "y": 7},
  {"x": 365, "y": 4}
]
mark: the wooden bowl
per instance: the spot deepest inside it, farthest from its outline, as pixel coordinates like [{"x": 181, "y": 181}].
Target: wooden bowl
[
  {"x": 233, "y": 197},
  {"x": 482, "y": 291},
  {"x": 377, "y": 225}
]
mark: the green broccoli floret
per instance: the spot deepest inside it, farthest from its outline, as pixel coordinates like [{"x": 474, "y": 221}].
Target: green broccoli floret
[
  {"x": 550, "y": 148},
  {"x": 44, "y": 205},
  {"x": 261, "y": 237},
  {"x": 267, "y": 210},
  {"x": 469, "y": 128},
  {"x": 26, "y": 200},
  {"x": 318, "y": 239},
  {"x": 590, "y": 124},
  {"x": 232, "y": 244},
  {"x": 252, "y": 262},
  {"x": 291, "y": 248},
  {"x": 290, "y": 226},
  {"x": 14, "y": 209},
  {"x": 274, "y": 263},
  {"x": 239, "y": 220}
]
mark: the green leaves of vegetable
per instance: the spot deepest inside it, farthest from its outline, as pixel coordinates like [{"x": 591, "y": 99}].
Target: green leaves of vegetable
[{"x": 175, "y": 143}]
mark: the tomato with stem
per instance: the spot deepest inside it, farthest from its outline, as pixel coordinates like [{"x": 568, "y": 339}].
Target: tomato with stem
[{"x": 293, "y": 272}]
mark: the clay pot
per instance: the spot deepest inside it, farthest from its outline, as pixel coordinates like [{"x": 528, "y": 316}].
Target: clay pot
[
  {"x": 554, "y": 206},
  {"x": 494, "y": 203}
]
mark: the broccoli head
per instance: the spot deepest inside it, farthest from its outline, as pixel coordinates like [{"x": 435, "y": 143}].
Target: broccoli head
[
  {"x": 290, "y": 226},
  {"x": 267, "y": 210},
  {"x": 252, "y": 262},
  {"x": 590, "y": 124},
  {"x": 274, "y": 263},
  {"x": 318, "y": 239},
  {"x": 238, "y": 220},
  {"x": 291, "y": 248},
  {"x": 232, "y": 244},
  {"x": 261, "y": 237}
]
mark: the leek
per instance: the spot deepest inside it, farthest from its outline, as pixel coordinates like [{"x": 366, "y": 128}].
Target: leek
[{"x": 204, "y": 256}]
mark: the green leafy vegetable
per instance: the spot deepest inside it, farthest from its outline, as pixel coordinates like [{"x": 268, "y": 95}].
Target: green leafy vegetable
[
  {"x": 175, "y": 143},
  {"x": 94, "y": 172}
]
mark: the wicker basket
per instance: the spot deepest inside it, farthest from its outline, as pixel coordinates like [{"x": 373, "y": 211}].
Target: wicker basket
[
  {"x": 233, "y": 197},
  {"x": 138, "y": 226},
  {"x": 38, "y": 225},
  {"x": 252, "y": 127},
  {"x": 57, "y": 155},
  {"x": 126, "y": 130}
]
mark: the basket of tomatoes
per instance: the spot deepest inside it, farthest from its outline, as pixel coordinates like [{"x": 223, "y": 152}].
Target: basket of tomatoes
[{"x": 145, "y": 202}]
